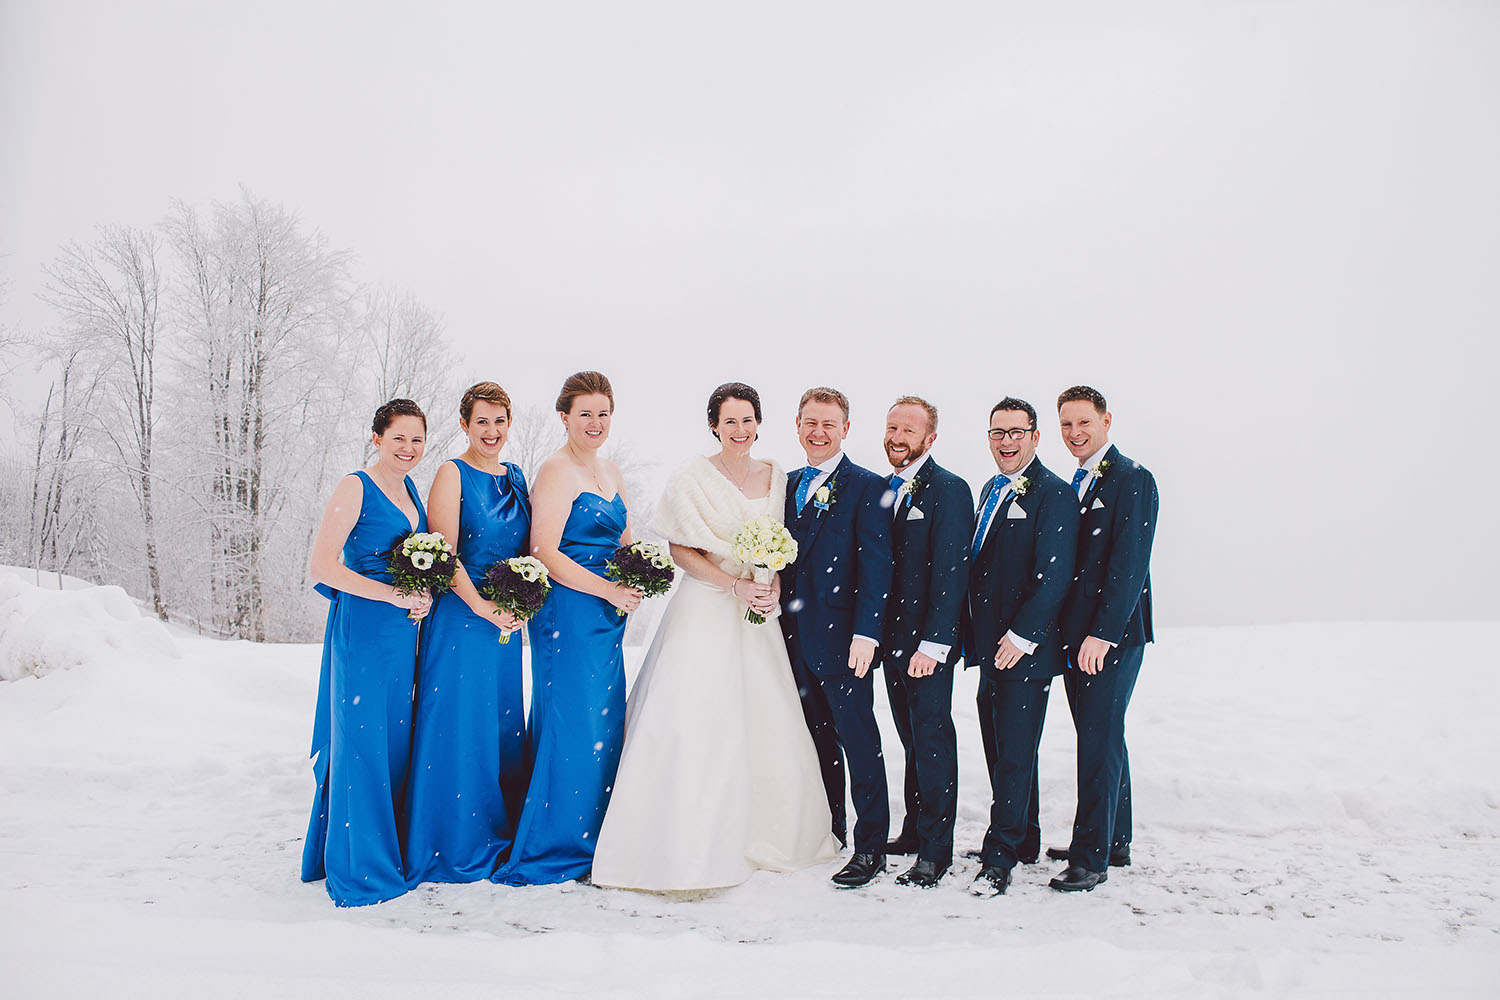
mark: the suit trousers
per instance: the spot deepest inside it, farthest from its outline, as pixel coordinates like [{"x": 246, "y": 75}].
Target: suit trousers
[
  {"x": 1031, "y": 840},
  {"x": 840, "y": 714},
  {"x": 1016, "y": 711},
  {"x": 922, "y": 708},
  {"x": 1098, "y": 703}
]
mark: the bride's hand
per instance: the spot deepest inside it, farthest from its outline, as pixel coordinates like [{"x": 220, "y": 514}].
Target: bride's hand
[
  {"x": 761, "y": 597},
  {"x": 625, "y": 598}
]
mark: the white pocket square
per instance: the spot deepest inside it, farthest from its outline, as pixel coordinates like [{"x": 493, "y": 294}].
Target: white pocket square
[
  {"x": 915, "y": 514},
  {"x": 1098, "y": 504},
  {"x": 1015, "y": 511}
]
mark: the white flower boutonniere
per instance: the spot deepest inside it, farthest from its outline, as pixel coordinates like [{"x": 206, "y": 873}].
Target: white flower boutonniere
[
  {"x": 1020, "y": 485},
  {"x": 825, "y": 495},
  {"x": 1101, "y": 469},
  {"x": 910, "y": 490}
]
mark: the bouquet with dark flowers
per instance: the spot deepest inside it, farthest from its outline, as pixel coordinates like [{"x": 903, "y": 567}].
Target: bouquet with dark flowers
[
  {"x": 422, "y": 560},
  {"x": 646, "y": 566},
  {"x": 518, "y": 585}
]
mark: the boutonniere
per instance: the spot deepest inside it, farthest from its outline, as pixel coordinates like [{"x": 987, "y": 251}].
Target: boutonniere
[
  {"x": 1020, "y": 485},
  {"x": 1101, "y": 469},
  {"x": 910, "y": 490},
  {"x": 825, "y": 495}
]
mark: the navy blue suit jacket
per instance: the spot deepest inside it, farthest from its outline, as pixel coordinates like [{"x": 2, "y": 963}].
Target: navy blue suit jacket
[
  {"x": 931, "y": 554},
  {"x": 838, "y": 586},
  {"x": 1021, "y": 576},
  {"x": 1111, "y": 599}
]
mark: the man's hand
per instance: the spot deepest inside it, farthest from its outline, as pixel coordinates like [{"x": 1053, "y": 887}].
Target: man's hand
[
  {"x": 1007, "y": 655},
  {"x": 1092, "y": 654},
  {"x": 861, "y": 652},
  {"x": 922, "y": 665}
]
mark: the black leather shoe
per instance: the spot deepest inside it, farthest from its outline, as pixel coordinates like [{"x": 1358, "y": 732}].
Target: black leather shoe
[
  {"x": 923, "y": 874},
  {"x": 1118, "y": 858},
  {"x": 860, "y": 870},
  {"x": 991, "y": 881},
  {"x": 902, "y": 845},
  {"x": 1076, "y": 879}
]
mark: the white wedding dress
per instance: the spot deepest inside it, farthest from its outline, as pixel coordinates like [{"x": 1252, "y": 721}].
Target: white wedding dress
[{"x": 718, "y": 776}]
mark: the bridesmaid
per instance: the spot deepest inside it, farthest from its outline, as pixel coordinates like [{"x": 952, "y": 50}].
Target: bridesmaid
[
  {"x": 362, "y": 729},
  {"x": 468, "y": 759},
  {"x": 577, "y": 665}
]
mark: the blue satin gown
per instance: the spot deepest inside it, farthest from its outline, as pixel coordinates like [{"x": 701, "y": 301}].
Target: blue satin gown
[
  {"x": 468, "y": 754},
  {"x": 362, "y": 730},
  {"x": 577, "y": 710}
]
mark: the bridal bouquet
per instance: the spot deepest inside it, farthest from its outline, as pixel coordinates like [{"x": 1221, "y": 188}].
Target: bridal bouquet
[
  {"x": 519, "y": 585},
  {"x": 644, "y": 565},
  {"x": 764, "y": 544},
  {"x": 422, "y": 560}
]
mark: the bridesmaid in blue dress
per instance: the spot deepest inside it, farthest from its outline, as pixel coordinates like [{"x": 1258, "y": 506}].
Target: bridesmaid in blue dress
[
  {"x": 362, "y": 730},
  {"x": 577, "y": 664},
  {"x": 468, "y": 756}
]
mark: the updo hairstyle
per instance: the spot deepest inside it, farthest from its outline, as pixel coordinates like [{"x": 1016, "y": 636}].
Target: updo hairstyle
[
  {"x": 728, "y": 391},
  {"x": 396, "y": 408},
  {"x": 584, "y": 384}
]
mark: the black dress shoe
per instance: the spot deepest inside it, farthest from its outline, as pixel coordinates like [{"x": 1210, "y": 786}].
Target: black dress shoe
[
  {"x": 992, "y": 880},
  {"x": 1076, "y": 879},
  {"x": 923, "y": 874},
  {"x": 902, "y": 845},
  {"x": 859, "y": 871},
  {"x": 1118, "y": 858}
]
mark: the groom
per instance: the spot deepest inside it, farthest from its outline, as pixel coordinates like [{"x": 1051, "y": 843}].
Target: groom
[{"x": 834, "y": 596}]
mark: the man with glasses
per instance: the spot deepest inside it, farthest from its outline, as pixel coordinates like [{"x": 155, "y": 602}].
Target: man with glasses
[
  {"x": 1021, "y": 565},
  {"x": 1106, "y": 623}
]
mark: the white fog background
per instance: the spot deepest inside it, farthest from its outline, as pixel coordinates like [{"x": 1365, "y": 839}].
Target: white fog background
[{"x": 1268, "y": 232}]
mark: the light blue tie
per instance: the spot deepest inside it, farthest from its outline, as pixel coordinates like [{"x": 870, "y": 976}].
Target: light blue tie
[
  {"x": 1079, "y": 477},
  {"x": 805, "y": 486},
  {"x": 988, "y": 512}
]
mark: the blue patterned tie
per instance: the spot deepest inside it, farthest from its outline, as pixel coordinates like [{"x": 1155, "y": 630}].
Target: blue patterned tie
[
  {"x": 805, "y": 486},
  {"x": 1079, "y": 477},
  {"x": 988, "y": 512}
]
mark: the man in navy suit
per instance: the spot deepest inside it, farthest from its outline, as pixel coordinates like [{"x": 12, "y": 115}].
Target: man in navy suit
[
  {"x": 834, "y": 599},
  {"x": 1021, "y": 565},
  {"x": 932, "y": 522},
  {"x": 1106, "y": 624}
]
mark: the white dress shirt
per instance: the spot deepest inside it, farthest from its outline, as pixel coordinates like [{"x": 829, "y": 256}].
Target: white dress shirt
[
  {"x": 826, "y": 469},
  {"x": 935, "y": 650}
]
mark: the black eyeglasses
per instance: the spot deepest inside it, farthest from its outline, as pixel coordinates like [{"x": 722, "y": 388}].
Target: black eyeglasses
[{"x": 1014, "y": 433}]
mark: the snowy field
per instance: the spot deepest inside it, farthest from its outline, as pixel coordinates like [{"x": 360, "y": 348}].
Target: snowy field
[{"x": 1318, "y": 813}]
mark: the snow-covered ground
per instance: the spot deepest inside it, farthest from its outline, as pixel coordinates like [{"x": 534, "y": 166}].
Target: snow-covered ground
[{"x": 1318, "y": 813}]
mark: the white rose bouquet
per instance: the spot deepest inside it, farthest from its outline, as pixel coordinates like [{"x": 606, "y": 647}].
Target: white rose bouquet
[
  {"x": 422, "y": 560},
  {"x": 764, "y": 544}
]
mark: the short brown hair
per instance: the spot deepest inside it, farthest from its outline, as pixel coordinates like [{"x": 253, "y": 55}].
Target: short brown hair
[
  {"x": 584, "y": 384},
  {"x": 823, "y": 394},
  {"x": 1083, "y": 393},
  {"x": 490, "y": 392},
  {"x": 919, "y": 401}
]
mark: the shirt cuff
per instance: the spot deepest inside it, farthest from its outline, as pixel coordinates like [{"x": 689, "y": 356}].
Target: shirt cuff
[
  {"x": 1024, "y": 645},
  {"x": 1111, "y": 645},
  {"x": 874, "y": 642},
  {"x": 932, "y": 649}
]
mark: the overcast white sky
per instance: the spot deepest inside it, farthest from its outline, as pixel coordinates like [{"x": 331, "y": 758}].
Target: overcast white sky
[{"x": 1268, "y": 232}]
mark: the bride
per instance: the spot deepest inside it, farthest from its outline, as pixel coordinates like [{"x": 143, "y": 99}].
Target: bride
[{"x": 718, "y": 776}]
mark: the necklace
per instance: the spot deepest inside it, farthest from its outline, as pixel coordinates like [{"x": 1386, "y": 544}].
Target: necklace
[
  {"x": 592, "y": 470},
  {"x": 739, "y": 483}
]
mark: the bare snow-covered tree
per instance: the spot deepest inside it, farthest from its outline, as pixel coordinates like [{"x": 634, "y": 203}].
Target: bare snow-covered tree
[
  {"x": 109, "y": 294},
  {"x": 535, "y": 433},
  {"x": 62, "y": 512},
  {"x": 409, "y": 357}
]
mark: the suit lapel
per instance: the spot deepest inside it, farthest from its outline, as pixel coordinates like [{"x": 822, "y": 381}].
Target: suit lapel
[
  {"x": 1111, "y": 456},
  {"x": 812, "y": 512}
]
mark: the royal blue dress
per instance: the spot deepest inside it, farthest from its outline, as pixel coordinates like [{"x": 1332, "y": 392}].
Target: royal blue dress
[
  {"x": 362, "y": 730},
  {"x": 577, "y": 709},
  {"x": 468, "y": 752}
]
